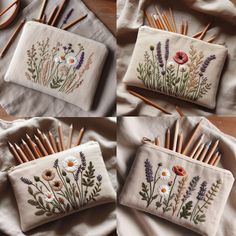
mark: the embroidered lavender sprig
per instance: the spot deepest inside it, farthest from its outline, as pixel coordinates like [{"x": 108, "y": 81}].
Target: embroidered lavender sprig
[
  {"x": 167, "y": 52},
  {"x": 202, "y": 191},
  {"x": 148, "y": 171},
  {"x": 76, "y": 177},
  {"x": 159, "y": 56},
  {"x": 67, "y": 17},
  {"x": 192, "y": 187},
  {"x": 206, "y": 64},
  {"x": 55, "y": 163},
  {"x": 83, "y": 161},
  {"x": 81, "y": 61},
  {"x": 26, "y": 181}
]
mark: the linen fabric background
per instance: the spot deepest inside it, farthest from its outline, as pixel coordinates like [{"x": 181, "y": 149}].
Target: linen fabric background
[
  {"x": 35, "y": 32},
  {"x": 150, "y": 37},
  {"x": 130, "y": 194},
  {"x": 198, "y": 14},
  {"x": 131, "y": 131},
  {"x": 27, "y": 102},
  {"x": 98, "y": 220}
]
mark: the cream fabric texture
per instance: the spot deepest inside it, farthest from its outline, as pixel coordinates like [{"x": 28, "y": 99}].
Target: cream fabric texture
[
  {"x": 58, "y": 63},
  {"x": 99, "y": 220},
  {"x": 176, "y": 65},
  {"x": 193, "y": 183},
  {"x": 92, "y": 153},
  {"x": 131, "y": 18},
  {"x": 131, "y": 131}
]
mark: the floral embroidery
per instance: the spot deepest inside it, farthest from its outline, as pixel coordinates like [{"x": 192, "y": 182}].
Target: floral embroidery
[
  {"x": 182, "y": 76},
  {"x": 181, "y": 199},
  {"x": 64, "y": 188},
  {"x": 59, "y": 67}
]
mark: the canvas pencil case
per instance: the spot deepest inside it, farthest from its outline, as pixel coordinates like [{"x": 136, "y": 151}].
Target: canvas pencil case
[
  {"x": 60, "y": 184},
  {"x": 176, "y": 65},
  {"x": 177, "y": 188},
  {"x": 58, "y": 63}
]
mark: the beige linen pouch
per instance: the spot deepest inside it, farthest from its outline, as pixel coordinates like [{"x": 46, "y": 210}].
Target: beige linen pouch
[
  {"x": 176, "y": 65},
  {"x": 177, "y": 188},
  {"x": 59, "y": 63},
  {"x": 60, "y": 184}
]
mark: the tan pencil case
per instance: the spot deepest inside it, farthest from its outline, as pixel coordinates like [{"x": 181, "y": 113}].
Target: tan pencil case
[
  {"x": 176, "y": 65},
  {"x": 175, "y": 187},
  {"x": 60, "y": 184},
  {"x": 59, "y": 63}
]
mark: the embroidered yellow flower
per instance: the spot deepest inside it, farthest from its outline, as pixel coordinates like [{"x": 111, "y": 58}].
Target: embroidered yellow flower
[
  {"x": 48, "y": 174},
  {"x": 164, "y": 174},
  {"x": 48, "y": 196},
  {"x": 70, "y": 164},
  {"x": 71, "y": 60},
  {"x": 57, "y": 185},
  {"x": 164, "y": 190}
]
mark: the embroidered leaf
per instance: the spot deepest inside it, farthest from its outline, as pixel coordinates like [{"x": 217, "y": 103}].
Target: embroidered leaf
[
  {"x": 40, "y": 212},
  {"x": 200, "y": 219},
  {"x": 30, "y": 190},
  {"x": 32, "y": 202},
  {"x": 185, "y": 213}
]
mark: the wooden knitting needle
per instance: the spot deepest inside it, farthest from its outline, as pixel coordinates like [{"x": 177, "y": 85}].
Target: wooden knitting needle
[
  {"x": 13, "y": 37},
  {"x": 196, "y": 146},
  {"x": 61, "y": 137},
  {"x": 160, "y": 18},
  {"x": 21, "y": 154},
  {"x": 191, "y": 139},
  {"x": 175, "y": 135},
  {"x": 180, "y": 142},
  {"x": 30, "y": 154},
  {"x": 213, "y": 159},
  {"x": 58, "y": 12},
  {"x": 41, "y": 146},
  {"x": 211, "y": 151},
  {"x": 8, "y": 8},
  {"x": 48, "y": 145},
  {"x": 167, "y": 23},
  {"x": 157, "y": 141},
  {"x": 199, "y": 150},
  {"x": 204, "y": 31},
  {"x": 52, "y": 141},
  {"x": 185, "y": 28},
  {"x": 52, "y": 15},
  {"x": 204, "y": 152},
  {"x": 44, "y": 3},
  {"x": 182, "y": 28},
  {"x": 217, "y": 160},
  {"x": 74, "y": 22},
  {"x": 197, "y": 34},
  {"x": 180, "y": 111},
  {"x": 40, "y": 135},
  {"x": 173, "y": 20},
  {"x": 81, "y": 133},
  {"x": 147, "y": 101},
  {"x": 210, "y": 40},
  {"x": 167, "y": 143},
  {"x": 58, "y": 145},
  {"x": 14, "y": 153},
  {"x": 149, "y": 19},
  {"x": 70, "y": 137}
]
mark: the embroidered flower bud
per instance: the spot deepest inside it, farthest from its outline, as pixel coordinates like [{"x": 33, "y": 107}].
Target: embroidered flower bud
[
  {"x": 151, "y": 48},
  {"x": 55, "y": 163},
  {"x": 167, "y": 49},
  {"x": 63, "y": 173},
  {"x": 99, "y": 178},
  {"x": 163, "y": 72},
  {"x": 159, "y": 164},
  {"x": 67, "y": 180},
  {"x": 61, "y": 200},
  {"x": 26, "y": 181},
  {"x": 80, "y": 61},
  {"x": 36, "y": 178},
  {"x": 182, "y": 68},
  {"x": 206, "y": 63},
  {"x": 170, "y": 64},
  {"x": 83, "y": 160}
]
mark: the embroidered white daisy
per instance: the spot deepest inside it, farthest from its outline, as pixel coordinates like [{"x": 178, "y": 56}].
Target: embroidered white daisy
[
  {"x": 71, "y": 60},
  {"x": 164, "y": 174},
  {"x": 60, "y": 58},
  {"x": 164, "y": 190},
  {"x": 70, "y": 164},
  {"x": 49, "y": 197},
  {"x": 182, "y": 68},
  {"x": 170, "y": 64}
]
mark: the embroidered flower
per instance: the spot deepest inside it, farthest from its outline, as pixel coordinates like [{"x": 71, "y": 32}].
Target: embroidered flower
[
  {"x": 180, "y": 57},
  {"x": 49, "y": 197},
  {"x": 80, "y": 61},
  {"x": 179, "y": 170},
  {"x": 48, "y": 174},
  {"x": 182, "y": 68},
  {"x": 61, "y": 200},
  {"x": 70, "y": 164},
  {"x": 71, "y": 60},
  {"x": 60, "y": 58},
  {"x": 148, "y": 171},
  {"x": 164, "y": 174},
  {"x": 56, "y": 185},
  {"x": 170, "y": 64},
  {"x": 164, "y": 190}
]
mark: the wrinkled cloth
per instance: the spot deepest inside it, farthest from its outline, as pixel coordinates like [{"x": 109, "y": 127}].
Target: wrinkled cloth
[
  {"x": 94, "y": 222},
  {"x": 131, "y": 131},
  {"x": 130, "y": 18},
  {"x": 27, "y": 102}
]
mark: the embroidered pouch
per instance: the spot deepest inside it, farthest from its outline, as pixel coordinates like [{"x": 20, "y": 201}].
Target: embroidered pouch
[
  {"x": 176, "y": 65},
  {"x": 52, "y": 187},
  {"x": 177, "y": 188},
  {"x": 59, "y": 63}
]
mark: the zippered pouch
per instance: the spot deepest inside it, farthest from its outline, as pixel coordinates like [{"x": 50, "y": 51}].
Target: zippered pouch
[
  {"x": 177, "y": 188},
  {"x": 60, "y": 184},
  {"x": 176, "y": 65},
  {"x": 58, "y": 63}
]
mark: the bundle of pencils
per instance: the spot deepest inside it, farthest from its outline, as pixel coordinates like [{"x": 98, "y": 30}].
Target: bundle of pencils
[
  {"x": 166, "y": 21},
  {"x": 42, "y": 145},
  {"x": 198, "y": 150}
]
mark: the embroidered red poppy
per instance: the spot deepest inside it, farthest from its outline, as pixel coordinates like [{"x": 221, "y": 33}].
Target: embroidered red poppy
[
  {"x": 179, "y": 170},
  {"x": 181, "y": 58}
]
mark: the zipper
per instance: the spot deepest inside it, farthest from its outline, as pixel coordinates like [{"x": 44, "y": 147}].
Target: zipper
[
  {"x": 12, "y": 168},
  {"x": 149, "y": 143}
]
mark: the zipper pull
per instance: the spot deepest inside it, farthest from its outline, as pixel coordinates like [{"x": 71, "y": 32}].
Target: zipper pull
[{"x": 146, "y": 140}]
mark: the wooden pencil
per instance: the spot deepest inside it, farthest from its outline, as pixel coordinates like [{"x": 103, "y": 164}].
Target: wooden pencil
[
  {"x": 185, "y": 28},
  {"x": 173, "y": 20},
  {"x": 14, "y": 153},
  {"x": 21, "y": 154},
  {"x": 180, "y": 143},
  {"x": 213, "y": 159},
  {"x": 12, "y": 38},
  {"x": 180, "y": 111},
  {"x": 149, "y": 19},
  {"x": 69, "y": 141},
  {"x": 217, "y": 160},
  {"x": 37, "y": 152},
  {"x": 185, "y": 150},
  {"x": 52, "y": 141},
  {"x": 80, "y": 136},
  {"x": 198, "y": 152},
  {"x": 31, "y": 144},
  {"x": 196, "y": 146},
  {"x": 48, "y": 145},
  {"x": 30, "y": 154},
  {"x": 167, "y": 23},
  {"x": 204, "y": 152},
  {"x": 43, "y": 6},
  {"x": 40, "y": 135},
  {"x": 41, "y": 146},
  {"x": 52, "y": 15},
  {"x": 167, "y": 143},
  {"x": 211, "y": 151},
  {"x": 147, "y": 101},
  {"x": 24, "y": 151},
  {"x": 61, "y": 137},
  {"x": 175, "y": 138},
  {"x": 197, "y": 34},
  {"x": 182, "y": 28},
  {"x": 161, "y": 18},
  {"x": 58, "y": 12},
  {"x": 204, "y": 31},
  {"x": 66, "y": 27},
  {"x": 8, "y": 8},
  {"x": 157, "y": 141},
  {"x": 158, "y": 22},
  {"x": 210, "y": 40},
  {"x": 154, "y": 21},
  {"x": 58, "y": 145}
]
